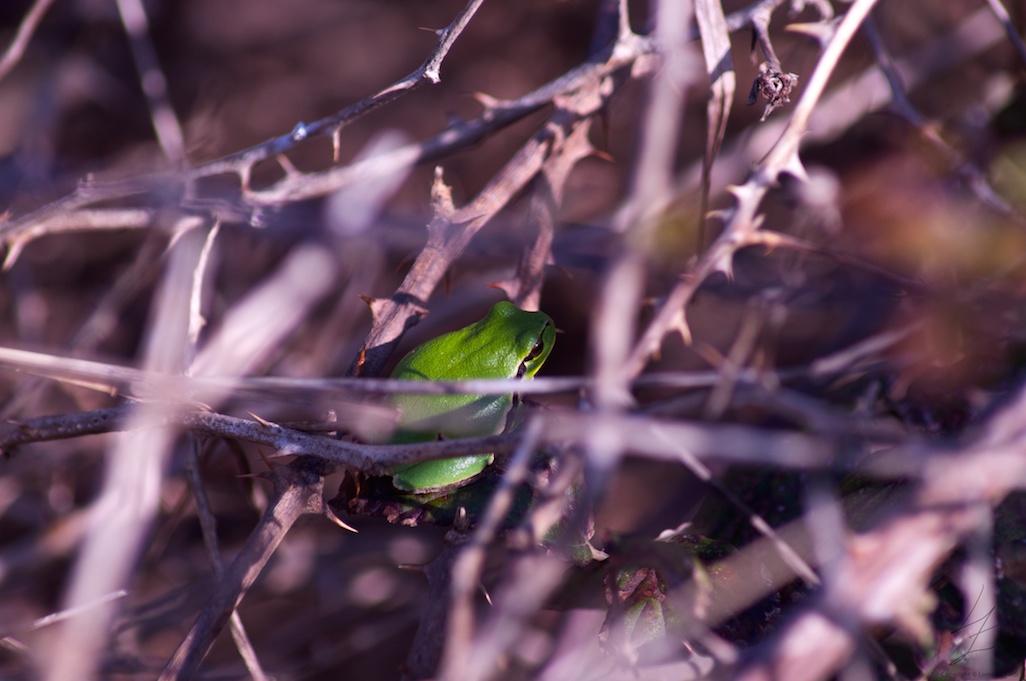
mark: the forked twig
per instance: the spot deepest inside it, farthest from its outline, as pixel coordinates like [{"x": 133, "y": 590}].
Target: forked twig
[
  {"x": 298, "y": 489},
  {"x": 208, "y": 527}
]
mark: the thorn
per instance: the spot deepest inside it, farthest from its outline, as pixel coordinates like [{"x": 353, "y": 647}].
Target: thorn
[
  {"x": 461, "y": 523},
  {"x": 264, "y": 422},
  {"x": 722, "y": 214},
  {"x": 330, "y": 515},
  {"x": 510, "y": 287},
  {"x": 735, "y": 191},
  {"x": 680, "y": 325},
  {"x": 286, "y": 165},
  {"x": 726, "y": 266},
  {"x": 441, "y": 196},
  {"x": 623, "y": 21},
  {"x": 710, "y": 354},
  {"x": 300, "y": 132},
  {"x": 262, "y": 475},
  {"x": 375, "y": 304},
  {"x": 820, "y": 31},
  {"x": 14, "y": 249},
  {"x": 267, "y": 462},
  {"x": 770, "y": 241},
  {"x": 409, "y": 258},
  {"x": 336, "y": 144},
  {"x": 245, "y": 175},
  {"x": 794, "y": 166},
  {"x": 486, "y": 101},
  {"x": 742, "y": 192}
]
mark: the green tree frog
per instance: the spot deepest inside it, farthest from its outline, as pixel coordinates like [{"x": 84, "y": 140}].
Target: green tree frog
[{"x": 508, "y": 343}]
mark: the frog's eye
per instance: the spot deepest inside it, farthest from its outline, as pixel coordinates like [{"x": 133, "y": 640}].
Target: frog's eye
[{"x": 536, "y": 350}]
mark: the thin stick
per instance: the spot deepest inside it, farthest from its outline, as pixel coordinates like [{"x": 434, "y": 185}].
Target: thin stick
[
  {"x": 153, "y": 81},
  {"x": 298, "y": 490},
  {"x": 208, "y": 527},
  {"x": 15, "y": 51},
  {"x": 742, "y": 220}
]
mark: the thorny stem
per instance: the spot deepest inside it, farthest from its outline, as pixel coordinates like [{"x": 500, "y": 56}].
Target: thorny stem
[
  {"x": 298, "y": 489},
  {"x": 742, "y": 219}
]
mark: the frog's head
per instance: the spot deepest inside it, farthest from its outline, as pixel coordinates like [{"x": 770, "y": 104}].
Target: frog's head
[{"x": 533, "y": 334}]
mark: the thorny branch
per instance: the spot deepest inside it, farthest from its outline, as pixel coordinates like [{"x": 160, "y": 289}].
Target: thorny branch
[
  {"x": 741, "y": 221},
  {"x": 881, "y": 572},
  {"x": 581, "y": 94},
  {"x": 72, "y": 212},
  {"x": 884, "y": 571},
  {"x": 298, "y": 490}
]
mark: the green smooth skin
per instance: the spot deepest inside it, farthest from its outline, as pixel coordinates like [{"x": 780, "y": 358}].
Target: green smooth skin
[{"x": 507, "y": 343}]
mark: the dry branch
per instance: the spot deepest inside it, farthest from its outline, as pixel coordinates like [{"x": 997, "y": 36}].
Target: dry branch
[{"x": 844, "y": 409}]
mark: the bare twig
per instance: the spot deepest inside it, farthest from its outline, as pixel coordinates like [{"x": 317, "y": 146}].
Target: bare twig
[
  {"x": 743, "y": 347},
  {"x": 72, "y": 212},
  {"x": 524, "y": 289},
  {"x": 428, "y": 642},
  {"x": 208, "y": 527},
  {"x": 887, "y": 569},
  {"x": 852, "y": 100},
  {"x": 298, "y": 490},
  {"x": 130, "y": 493},
  {"x": 153, "y": 81},
  {"x": 15, "y": 231},
  {"x": 428, "y": 72},
  {"x": 468, "y": 567},
  {"x": 722, "y": 81},
  {"x": 196, "y": 319},
  {"x": 614, "y": 322},
  {"x": 14, "y": 52},
  {"x": 585, "y": 92},
  {"x": 742, "y": 220},
  {"x": 1013, "y": 34},
  {"x": 974, "y": 177},
  {"x": 956, "y": 490}
]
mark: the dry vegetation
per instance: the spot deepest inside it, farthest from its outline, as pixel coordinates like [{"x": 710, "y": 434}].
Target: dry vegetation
[{"x": 787, "y": 397}]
